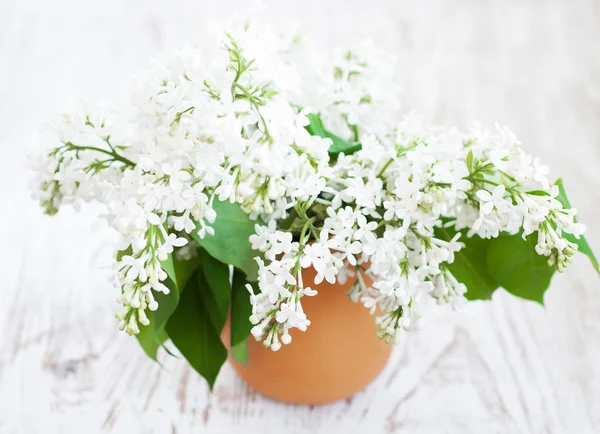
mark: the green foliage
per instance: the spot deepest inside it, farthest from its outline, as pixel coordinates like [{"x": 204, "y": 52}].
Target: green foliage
[
  {"x": 230, "y": 244},
  {"x": 582, "y": 243},
  {"x": 179, "y": 270},
  {"x": 149, "y": 339},
  {"x": 240, "y": 352},
  {"x": 241, "y": 309},
  {"x": 195, "y": 311},
  {"x": 315, "y": 127},
  {"x": 339, "y": 145},
  {"x": 469, "y": 161},
  {"x": 215, "y": 289},
  {"x": 153, "y": 336},
  {"x": 192, "y": 330},
  {"x": 203, "y": 293},
  {"x": 514, "y": 264},
  {"x": 470, "y": 265},
  {"x": 508, "y": 261},
  {"x": 167, "y": 303}
]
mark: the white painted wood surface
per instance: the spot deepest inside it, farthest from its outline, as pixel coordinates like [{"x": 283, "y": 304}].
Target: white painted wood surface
[{"x": 507, "y": 366}]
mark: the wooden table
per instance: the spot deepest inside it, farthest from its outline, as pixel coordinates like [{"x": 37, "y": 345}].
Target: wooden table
[{"x": 503, "y": 367}]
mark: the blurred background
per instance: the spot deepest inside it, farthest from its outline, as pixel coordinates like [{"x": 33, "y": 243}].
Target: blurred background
[{"x": 505, "y": 366}]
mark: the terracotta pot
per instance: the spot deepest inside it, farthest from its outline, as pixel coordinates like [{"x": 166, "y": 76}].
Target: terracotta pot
[{"x": 336, "y": 357}]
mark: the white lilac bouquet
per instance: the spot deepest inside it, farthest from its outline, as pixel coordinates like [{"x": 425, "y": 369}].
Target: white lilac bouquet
[{"x": 246, "y": 160}]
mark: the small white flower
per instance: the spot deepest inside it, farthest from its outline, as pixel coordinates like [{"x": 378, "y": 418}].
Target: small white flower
[
  {"x": 540, "y": 172},
  {"x": 493, "y": 201},
  {"x": 217, "y": 123},
  {"x": 281, "y": 242}
]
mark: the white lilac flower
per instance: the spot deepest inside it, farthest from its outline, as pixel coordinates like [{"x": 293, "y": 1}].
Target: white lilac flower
[
  {"x": 208, "y": 122},
  {"x": 356, "y": 92},
  {"x": 481, "y": 180},
  {"x": 220, "y": 122}
]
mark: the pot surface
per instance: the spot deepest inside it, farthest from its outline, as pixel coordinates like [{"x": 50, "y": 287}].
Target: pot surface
[{"x": 337, "y": 356}]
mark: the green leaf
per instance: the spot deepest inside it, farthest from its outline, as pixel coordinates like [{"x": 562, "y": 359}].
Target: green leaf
[
  {"x": 167, "y": 303},
  {"x": 230, "y": 244},
  {"x": 241, "y": 309},
  {"x": 167, "y": 350},
  {"x": 149, "y": 339},
  {"x": 470, "y": 161},
  {"x": 240, "y": 352},
  {"x": 339, "y": 145},
  {"x": 582, "y": 243},
  {"x": 180, "y": 270},
  {"x": 216, "y": 289},
  {"x": 469, "y": 266},
  {"x": 515, "y": 265},
  {"x": 121, "y": 253},
  {"x": 193, "y": 333},
  {"x": 538, "y": 193},
  {"x": 315, "y": 127},
  {"x": 153, "y": 336}
]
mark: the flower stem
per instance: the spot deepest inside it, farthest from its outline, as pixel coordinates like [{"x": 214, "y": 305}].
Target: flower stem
[
  {"x": 400, "y": 153},
  {"x": 104, "y": 151},
  {"x": 384, "y": 168}
]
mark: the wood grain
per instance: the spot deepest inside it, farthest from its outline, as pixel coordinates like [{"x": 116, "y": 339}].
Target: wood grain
[{"x": 503, "y": 367}]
